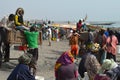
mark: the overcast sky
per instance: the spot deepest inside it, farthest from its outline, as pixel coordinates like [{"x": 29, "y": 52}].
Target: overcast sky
[{"x": 64, "y": 10}]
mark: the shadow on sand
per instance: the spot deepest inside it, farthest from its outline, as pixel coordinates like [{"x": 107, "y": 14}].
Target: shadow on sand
[{"x": 8, "y": 66}]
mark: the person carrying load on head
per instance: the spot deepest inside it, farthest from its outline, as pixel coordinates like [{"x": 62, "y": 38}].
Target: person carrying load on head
[{"x": 19, "y": 22}]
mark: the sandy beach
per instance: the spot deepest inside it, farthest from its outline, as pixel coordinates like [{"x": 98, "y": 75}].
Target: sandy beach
[{"x": 47, "y": 58}]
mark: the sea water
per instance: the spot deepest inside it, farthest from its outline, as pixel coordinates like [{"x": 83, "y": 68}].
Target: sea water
[{"x": 116, "y": 25}]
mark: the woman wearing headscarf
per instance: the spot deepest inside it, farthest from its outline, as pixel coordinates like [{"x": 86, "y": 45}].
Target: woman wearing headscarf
[
  {"x": 65, "y": 69},
  {"x": 21, "y": 71},
  {"x": 88, "y": 63},
  {"x": 19, "y": 21},
  {"x": 114, "y": 73},
  {"x": 92, "y": 65},
  {"x": 109, "y": 71}
]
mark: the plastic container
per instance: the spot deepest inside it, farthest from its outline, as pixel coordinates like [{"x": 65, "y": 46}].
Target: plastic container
[
  {"x": 118, "y": 49},
  {"x": 20, "y": 47},
  {"x": 86, "y": 77},
  {"x": 39, "y": 78}
]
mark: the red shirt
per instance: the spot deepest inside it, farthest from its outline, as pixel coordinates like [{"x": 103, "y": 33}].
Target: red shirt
[{"x": 79, "y": 25}]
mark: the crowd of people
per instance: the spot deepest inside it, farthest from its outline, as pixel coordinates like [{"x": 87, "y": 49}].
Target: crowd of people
[
  {"x": 102, "y": 66},
  {"x": 98, "y": 67}
]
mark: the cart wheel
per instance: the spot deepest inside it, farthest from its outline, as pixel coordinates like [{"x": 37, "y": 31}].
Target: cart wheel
[
  {"x": 0, "y": 59},
  {"x": 2, "y": 48},
  {"x": 2, "y": 52}
]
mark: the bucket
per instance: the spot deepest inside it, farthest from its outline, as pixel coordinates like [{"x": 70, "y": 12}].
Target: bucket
[
  {"x": 118, "y": 49},
  {"x": 20, "y": 47},
  {"x": 39, "y": 78}
]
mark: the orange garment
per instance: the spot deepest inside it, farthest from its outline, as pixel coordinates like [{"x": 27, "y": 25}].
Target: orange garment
[
  {"x": 73, "y": 39},
  {"x": 113, "y": 44},
  {"x": 74, "y": 49}
]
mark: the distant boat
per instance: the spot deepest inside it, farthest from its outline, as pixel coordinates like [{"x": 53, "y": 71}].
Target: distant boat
[
  {"x": 93, "y": 27},
  {"x": 102, "y": 23},
  {"x": 73, "y": 26}
]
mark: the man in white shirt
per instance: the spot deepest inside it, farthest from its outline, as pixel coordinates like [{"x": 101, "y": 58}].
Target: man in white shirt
[{"x": 49, "y": 35}]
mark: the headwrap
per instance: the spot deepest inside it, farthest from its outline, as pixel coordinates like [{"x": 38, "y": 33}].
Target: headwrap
[
  {"x": 25, "y": 58},
  {"x": 92, "y": 65},
  {"x": 19, "y": 9},
  {"x": 108, "y": 64},
  {"x": 64, "y": 59}
]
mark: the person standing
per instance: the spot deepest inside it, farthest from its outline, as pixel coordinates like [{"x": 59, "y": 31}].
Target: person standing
[
  {"x": 8, "y": 25},
  {"x": 111, "y": 45},
  {"x": 49, "y": 35},
  {"x": 74, "y": 43},
  {"x": 32, "y": 41}
]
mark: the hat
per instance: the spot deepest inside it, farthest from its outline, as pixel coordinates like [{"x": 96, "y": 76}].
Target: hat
[
  {"x": 81, "y": 19},
  {"x": 25, "y": 58}
]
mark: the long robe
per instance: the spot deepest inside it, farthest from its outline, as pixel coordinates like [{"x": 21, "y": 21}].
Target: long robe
[{"x": 21, "y": 72}]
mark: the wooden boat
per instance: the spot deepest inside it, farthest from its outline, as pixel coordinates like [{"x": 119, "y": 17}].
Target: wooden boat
[
  {"x": 73, "y": 26},
  {"x": 92, "y": 27}
]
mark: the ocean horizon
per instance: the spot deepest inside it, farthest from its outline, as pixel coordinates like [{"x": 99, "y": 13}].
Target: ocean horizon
[{"x": 110, "y": 24}]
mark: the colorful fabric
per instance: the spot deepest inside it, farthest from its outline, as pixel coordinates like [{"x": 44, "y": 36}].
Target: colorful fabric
[
  {"x": 19, "y": 17},
  {"x": 64, "y": 59},
  {"x": 79, "y": 25},
  {"x": 74, "y": 49},
  {"x": 32, "y": 39},
  {"x": 106, "y": 33},
  {"x": 67, "y": 72},
  {"x": 112, "y": 42},
  {"x": 74, "y": 39},
  {"x": 92, "y": 65},
  {"x": 19, "y": 20}
]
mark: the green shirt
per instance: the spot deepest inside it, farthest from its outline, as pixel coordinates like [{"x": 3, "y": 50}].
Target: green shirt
[{"x": 32, "y": 39}]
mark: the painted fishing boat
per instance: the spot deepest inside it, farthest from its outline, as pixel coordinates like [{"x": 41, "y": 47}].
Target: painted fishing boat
[{"x": 73, "y": 26}]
